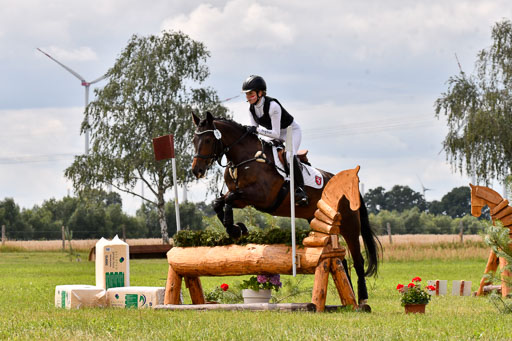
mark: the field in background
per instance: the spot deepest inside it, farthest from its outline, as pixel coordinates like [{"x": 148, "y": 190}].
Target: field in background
[
  {"x": 403, "y": 247},
  {"x": 78, "y": 245}
]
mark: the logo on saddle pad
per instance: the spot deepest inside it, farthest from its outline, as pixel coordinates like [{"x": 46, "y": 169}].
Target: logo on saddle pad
[{"x": 318, "y": 180}]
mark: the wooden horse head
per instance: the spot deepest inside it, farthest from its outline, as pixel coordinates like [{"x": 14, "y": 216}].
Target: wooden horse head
[{"x": 482, "y": 196}]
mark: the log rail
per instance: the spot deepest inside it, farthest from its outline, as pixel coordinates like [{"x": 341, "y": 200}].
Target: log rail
[{"x": 190, "y": 263}]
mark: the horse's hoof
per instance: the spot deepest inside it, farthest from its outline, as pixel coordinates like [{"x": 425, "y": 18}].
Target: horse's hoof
[
  {"x": 234, "y": 231},
  {"x": 243, "y": 228},
  {"x": 365, "y": 308}
]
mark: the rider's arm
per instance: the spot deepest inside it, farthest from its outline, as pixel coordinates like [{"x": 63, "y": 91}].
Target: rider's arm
[{"x": 275, "y": 117}]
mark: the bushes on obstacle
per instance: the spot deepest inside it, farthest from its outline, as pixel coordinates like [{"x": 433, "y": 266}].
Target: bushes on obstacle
[{"x": 210, "y": 237}]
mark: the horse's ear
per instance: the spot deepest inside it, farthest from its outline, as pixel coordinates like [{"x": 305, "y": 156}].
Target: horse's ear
[
  {"x": 195, "y": 119},
  {"x": 209, "y": 117}
]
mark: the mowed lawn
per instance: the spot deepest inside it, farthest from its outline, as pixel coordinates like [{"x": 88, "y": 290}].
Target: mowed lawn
[{"x": 28, "y": 280}]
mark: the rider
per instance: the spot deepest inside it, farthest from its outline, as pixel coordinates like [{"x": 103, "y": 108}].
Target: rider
[{"x": 269, "y": 118}]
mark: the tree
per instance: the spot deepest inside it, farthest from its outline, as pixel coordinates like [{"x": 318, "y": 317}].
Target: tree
[
  {"x": 401, "y": 198},
  {"x": 10, "y": 217},
  {"x": 151, "y": 91},
  {"x": 478, "y": 110},
  {"x": 456, "y": 203},
  {"x": 375, "y": 199}
]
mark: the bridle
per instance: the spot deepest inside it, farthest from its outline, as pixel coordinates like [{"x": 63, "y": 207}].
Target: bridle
[{"x": 216, "y": 155}]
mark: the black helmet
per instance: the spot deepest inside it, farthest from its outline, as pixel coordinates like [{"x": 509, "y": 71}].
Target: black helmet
[{"x": 254, "y": 83}]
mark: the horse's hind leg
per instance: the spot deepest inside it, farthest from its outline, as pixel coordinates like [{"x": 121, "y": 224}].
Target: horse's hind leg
[{"x": 352, "y": 239}]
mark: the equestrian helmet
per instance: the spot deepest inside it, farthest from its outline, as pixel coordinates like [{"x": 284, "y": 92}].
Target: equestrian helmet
[{"x": 254, "y": 83}]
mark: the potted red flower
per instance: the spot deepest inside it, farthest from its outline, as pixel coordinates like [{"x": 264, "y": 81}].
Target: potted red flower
[{"x": 413, "y": 297}]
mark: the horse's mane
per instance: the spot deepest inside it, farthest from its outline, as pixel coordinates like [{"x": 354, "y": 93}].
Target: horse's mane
[{"x": 230, "y": 121}]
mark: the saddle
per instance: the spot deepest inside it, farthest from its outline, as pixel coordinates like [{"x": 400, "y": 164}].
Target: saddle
[{"x": 301, "y": 154}]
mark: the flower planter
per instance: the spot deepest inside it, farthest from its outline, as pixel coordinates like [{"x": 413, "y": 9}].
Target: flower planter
[
  {"x": 261, "y": 296},
  {"x": 415, "y": 308}
]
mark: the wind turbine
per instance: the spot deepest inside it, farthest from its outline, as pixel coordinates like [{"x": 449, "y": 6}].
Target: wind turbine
[
  {"x": 423, "y": 188},
  {"x": 85, "y": 84}
]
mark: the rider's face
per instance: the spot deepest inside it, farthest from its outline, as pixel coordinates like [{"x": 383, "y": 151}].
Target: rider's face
[{"x": 252, "y": 97}]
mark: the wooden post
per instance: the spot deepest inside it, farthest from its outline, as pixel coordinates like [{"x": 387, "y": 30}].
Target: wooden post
[
  {"x": 320, "y": 285},
  {"x": 63, "y": 238},
  {"x": 124, "y": 233},
  {"x": 492, "y": 266},
  {"x": 388, "y": 227},
  {"x": 506, "y": 277},
  {"x": 196, "y": 290},
  {"x": 342, "y": 283},
  {"x": 461, "y": 232},
  {"x": 173, "y": 287},
  {"x": 3, "y": 235}
]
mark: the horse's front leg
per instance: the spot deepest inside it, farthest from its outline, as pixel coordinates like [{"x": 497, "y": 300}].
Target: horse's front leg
[
  {"x": 223, "y": 206},
  {"x": 218, "y": 206}
]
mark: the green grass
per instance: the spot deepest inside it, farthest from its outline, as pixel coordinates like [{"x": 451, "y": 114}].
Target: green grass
[{"x": 28, "y": 280}]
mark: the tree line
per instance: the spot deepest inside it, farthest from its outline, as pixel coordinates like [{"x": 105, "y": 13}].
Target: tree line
[
  {"x": 92, "y": 216},
  {"x": 96, "y": 214}
]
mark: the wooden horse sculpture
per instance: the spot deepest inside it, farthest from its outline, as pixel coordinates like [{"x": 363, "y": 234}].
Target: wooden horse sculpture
[
  {"x": 500, "y": 210},
  {"x": 252, "y": 179}
]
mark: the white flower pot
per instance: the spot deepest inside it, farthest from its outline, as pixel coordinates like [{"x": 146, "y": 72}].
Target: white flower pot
[{"x": 261, "y": 296}]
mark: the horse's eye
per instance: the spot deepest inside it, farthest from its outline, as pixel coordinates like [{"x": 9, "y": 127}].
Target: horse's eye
[{"x": 207, "y": 141}]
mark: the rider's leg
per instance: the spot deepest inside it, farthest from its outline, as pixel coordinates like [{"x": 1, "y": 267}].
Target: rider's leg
[{"x": 301, "y": 197}]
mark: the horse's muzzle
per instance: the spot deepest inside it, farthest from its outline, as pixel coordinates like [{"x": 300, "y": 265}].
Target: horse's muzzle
[{"x": 197, "y": 170}]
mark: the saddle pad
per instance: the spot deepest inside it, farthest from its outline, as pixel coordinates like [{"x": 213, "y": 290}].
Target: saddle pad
[{"x": 312, "y": 176}]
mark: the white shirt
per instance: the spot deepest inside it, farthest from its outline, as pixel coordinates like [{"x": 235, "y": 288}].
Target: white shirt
[{"x": 274, "y": 111}]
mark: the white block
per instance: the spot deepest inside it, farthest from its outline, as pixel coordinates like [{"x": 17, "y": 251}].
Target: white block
[
  {"x": 78, "y": 295},
  {"x": 112, "y": 263},
  {"x": 461, "y": 288},
  {"x": 440, "y": 285},
  {"x": 135, "y": 297}
]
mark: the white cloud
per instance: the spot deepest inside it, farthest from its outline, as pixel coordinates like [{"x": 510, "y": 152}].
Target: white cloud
[{"x": 237, "y": 25}]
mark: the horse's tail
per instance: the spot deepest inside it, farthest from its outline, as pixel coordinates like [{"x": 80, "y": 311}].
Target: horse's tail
[{"x": 372, "y": 245}]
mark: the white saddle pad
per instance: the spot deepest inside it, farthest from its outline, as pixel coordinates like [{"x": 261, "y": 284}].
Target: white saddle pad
[{"x": 312, "y": 176}]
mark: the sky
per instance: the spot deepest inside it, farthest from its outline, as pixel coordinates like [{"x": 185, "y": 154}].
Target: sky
[{"x": 361, "y": 78}]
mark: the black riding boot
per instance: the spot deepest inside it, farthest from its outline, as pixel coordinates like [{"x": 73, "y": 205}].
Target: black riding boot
[{"x": 301, "y": 197}]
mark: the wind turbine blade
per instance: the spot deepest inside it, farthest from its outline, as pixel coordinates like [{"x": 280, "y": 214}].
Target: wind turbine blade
[
  {"x": 98, "y": 79},
  {"x": 64, "y": 66}
]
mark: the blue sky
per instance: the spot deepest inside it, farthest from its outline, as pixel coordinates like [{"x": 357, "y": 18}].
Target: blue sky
[{"x": 360, "y": 78}]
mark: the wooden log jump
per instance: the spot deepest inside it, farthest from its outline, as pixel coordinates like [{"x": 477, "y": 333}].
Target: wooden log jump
[
  {"x": 252, "y": 259},
  {"x": 321, "y": 255}
]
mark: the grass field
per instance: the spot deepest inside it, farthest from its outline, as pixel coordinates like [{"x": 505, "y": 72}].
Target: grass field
[{"x": 28, "y": 280}]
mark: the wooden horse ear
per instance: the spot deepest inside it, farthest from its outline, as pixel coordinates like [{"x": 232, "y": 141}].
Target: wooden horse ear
[
  {"x": 195, "y": 119},
  {"x": 209, "y": 117}
]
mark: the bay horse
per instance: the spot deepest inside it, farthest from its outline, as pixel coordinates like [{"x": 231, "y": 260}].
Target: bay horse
[{"x": 252, "y": 179}]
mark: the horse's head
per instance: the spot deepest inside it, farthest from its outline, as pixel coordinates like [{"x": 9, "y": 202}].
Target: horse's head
[
  {"x": 477, "y": 203},
  {"x": 207, "y": 144}
]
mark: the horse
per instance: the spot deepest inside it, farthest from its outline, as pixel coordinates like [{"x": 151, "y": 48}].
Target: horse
[{"x": 252, "y": 179}]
